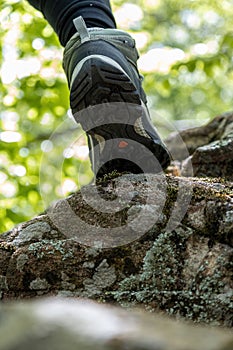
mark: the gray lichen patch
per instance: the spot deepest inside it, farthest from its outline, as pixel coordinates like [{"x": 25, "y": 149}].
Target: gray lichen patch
[
  {"x": 33, "y": 232},
  {"x": 144, "y": 215},
  {"x": 68, "y": 286},
  {"x": 3, "y": 283},
  {"x": 104, "y": 277},
  {"x": 88, "y": 265},
  {"x": 48, "y": 247},
  {"x": 21, "y": 261},
  {"x": 92, "y": 252},
  {"x": 65, "y": 283},
  {"x": 39, "y": 284}
]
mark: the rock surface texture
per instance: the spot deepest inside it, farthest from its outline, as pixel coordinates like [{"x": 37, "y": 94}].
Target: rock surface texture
[
  {"x": 210, "y": 148},
  {"x": 163, "y": 243}
]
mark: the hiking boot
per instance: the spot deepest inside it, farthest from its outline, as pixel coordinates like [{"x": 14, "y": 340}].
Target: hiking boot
[{"x": 107, "y": 98}]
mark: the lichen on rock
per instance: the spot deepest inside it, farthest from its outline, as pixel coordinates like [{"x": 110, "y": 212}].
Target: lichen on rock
[
  {"x": 103, "y": 277},
  {"x": 167, "y": 248},
  {"x": 32, "y": 232}
]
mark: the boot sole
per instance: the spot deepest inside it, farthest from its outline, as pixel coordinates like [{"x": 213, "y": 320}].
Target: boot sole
[{"x": 111, "y": 128}]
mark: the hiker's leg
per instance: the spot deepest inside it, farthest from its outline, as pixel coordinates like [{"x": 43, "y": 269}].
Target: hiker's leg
[{"x": 60, "y": 15}]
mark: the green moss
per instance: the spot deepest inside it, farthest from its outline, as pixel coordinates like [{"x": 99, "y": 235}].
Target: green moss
[{"x": 108, "y": 177}]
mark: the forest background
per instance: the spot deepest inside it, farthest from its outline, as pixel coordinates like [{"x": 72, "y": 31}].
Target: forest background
[{"x": 185, "y": 57}]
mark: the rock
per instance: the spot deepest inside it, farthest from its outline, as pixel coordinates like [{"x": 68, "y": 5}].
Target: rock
[
  {"x": 80, "y": 324},
  {"x": 214, "y": 159},
  {"x": 210, "y": 148},
  {"x": 160, "y": 242},
  {"x": 32, "y": 232},
  {"x": 167, "y": 247}
]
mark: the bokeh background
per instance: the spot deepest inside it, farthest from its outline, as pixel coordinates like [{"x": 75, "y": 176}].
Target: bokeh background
[{"x": 186, "y": 59}]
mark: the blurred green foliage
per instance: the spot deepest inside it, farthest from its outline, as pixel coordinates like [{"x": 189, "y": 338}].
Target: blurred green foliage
[{"x": 186, "y": 58}]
